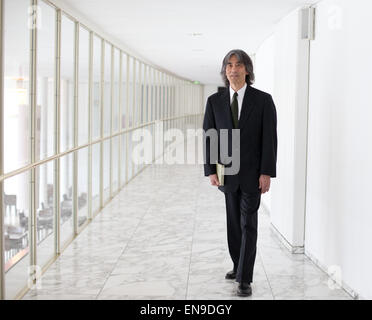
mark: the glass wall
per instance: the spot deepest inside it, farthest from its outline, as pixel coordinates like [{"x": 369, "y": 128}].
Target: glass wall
[
  {"x": 123, "y": 162},
  {"x": 17, "y": 217},
  {"x": 45, "y": 212},
  {"x": 115, "y": 163},
  {"x": 82, "y": 188},
  {"x": 65, "y": 197},
  {"x": 116, "y": 92},
  {"x": 115, "y": 121},
  {"x": 96, "y": 88},
  {"x": 16, "y": 84},
  {"x": 107, "y": 92},
  {"x": 83, "y": 85},
  {"x": 106, "y": 170},
  {"x": 45, "y": 103},
  {"x": 124, "y": 91},
  {"x": 94, "y": 78},
  {"x": 96, "y": 183},
  {"x": 130, "y": 91},
  {"x": 67, "y": 84}
]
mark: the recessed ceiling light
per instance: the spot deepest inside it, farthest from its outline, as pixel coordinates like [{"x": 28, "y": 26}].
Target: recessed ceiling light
[{"x": 195, "y": 34}]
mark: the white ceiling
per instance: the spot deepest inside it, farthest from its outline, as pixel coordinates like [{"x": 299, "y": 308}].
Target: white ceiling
[{"x": 162, "y": 30}]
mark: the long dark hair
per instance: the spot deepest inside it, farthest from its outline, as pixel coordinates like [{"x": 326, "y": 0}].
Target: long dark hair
[{"x": 243, "y": 58}]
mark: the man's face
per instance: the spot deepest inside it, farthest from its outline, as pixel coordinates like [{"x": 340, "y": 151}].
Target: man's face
[{"x": 235, "y": 71}]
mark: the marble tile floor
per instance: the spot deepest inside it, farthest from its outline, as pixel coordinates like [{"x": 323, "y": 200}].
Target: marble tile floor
[{"x": 164, "y": 237}]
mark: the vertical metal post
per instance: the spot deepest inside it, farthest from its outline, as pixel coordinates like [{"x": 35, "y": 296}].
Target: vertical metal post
[
  {"x": 151, "y": 92},
  {"x": 153, "y": 115},
  {"x": 159, "y": 95},
  {"x": 134, "y": 93},
  {"x": 168, "y": 86},
  {"x": 158, "y": 89},
  {"x": 140, "y": 103},
  {"x": 133, "y": 111},
  {"x": 161, "y": 104},
  {"x": 120, "y": 117},
  {"x": 2, "y": 262},
  {"x": 76, "y": 123},
  {"x": 139, "y": 95},
  {"x": 33, "y": 83},
  {"x": 57, "y": 224},
  {"x": 145, "y": 99},
  {"x": 90, "y": 102},
  {"x": 111, "y": 120},
  {"x": 101, "y": 127},
  {"x": 127, "y": 121}
]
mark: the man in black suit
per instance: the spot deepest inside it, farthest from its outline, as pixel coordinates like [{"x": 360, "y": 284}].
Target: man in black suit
[{"x": 250, "y": 113}]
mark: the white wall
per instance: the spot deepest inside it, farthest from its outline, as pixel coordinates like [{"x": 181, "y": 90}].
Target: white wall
[
  {"x": 337, "y": 227},
  {"x": 264, "y": 66},
  {"x": 281, "y": 61},
  {"x": 338, "y": 211},
  {"x": 264, "y": 74}
]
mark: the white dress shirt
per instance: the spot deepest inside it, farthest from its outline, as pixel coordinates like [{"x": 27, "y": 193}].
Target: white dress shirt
[{"x": 240, "y": 97}]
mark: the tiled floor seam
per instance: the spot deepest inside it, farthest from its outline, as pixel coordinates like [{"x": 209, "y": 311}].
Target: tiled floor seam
[
  {"x": 192, "y": 243},
  {"x": 267, "y": 278}
]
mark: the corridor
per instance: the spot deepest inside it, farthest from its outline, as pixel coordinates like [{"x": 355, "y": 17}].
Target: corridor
[
  {"x": 93, "y": 93},
  {"x": 164, "y": 237}
]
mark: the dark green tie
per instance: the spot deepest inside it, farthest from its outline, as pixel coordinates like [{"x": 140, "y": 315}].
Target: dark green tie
[{"x": 235, "y": 110}]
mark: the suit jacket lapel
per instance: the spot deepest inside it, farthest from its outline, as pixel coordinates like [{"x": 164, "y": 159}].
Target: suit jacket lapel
[
  {"x": 247, "y": 107},
  {"x": 225, "y": 107}
]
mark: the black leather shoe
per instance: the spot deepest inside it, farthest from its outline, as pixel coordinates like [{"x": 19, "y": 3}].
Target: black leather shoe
[
  {"x": 244, "y": 289},
  {"x": 230, "y": 275}
]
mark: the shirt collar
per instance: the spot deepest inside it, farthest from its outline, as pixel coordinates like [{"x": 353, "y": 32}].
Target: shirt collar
[{"x": 241, "y": 91}]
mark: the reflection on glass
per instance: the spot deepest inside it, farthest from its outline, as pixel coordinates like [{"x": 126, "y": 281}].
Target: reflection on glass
[
  {"x": 151, "y": 92},
  {"x": 45, "y": 83},
  {"x": 130, "y": 107},
  {"x": 163, "y": 97},
  {"x": 115, "y": 164},
  {"x": 16, "y": 232},
  {"x": 130, "y": 162},
  {"x": 124, "y": 90},
  {"x": 45, "y": 212},
  {"x": 16, "y": 84},
  {"x": 123, "y": 159},
  {"x": 146, "y": 95},
  {"x": 160, "y": 89},
  {"x": 82, "y": 186},
  {"x": 96, "y": 90},
  {"x": 107, "y": 92},
  {"x": 156, "y": 93},
  {"x": 83, "y": 101},
  {"x": 67, "y": 84},
  {"x": 142, "y": 93},
  {"x": 65, "y": 191},
  {"x": 137, "y": 93},
  {"x": 106, "y": 170},
  {"x": 116, "y": 87},
  {"x": 96, "y": 164}
]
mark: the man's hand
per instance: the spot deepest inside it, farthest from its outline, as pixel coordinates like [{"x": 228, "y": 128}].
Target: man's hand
[
  {"x": 214, "y": 180},
  {"x": 264, "y": 183}
]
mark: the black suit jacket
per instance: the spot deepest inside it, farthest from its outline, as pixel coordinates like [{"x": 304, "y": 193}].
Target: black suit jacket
[{"x": 258, "y": 137}]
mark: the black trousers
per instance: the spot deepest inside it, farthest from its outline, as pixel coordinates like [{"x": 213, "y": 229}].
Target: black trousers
[{"x": 241, "y": 211}]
